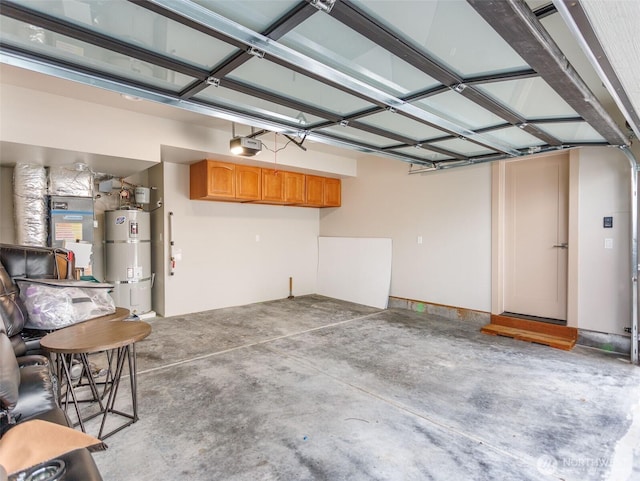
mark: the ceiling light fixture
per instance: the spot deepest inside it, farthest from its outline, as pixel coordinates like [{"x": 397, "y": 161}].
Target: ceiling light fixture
[{"x": 245, "y": 146}]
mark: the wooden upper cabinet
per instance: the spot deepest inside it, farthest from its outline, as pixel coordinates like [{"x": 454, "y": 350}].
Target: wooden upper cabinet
[
  {"x": 282, "y": 187},
  {"x": 332, "y": 192},
  {"x": 210, "y": 179},
  {"x": 248, "y": 183},
  {"x": 213, "y": 180},
  {"x": 322, "y": 191}
]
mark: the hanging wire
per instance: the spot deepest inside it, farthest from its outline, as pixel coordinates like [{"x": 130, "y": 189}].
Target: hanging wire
[
  {"x": 275, "y": 152},
  {"x": 275, "y": 149}
]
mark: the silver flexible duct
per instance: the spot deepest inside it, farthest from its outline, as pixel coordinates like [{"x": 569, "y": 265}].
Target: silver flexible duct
[
  {"x": 29, "y": 203},
  {"x": 76, "y": 182}
]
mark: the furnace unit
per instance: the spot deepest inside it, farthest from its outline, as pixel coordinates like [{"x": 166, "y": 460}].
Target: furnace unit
[
  {"x": 70, "y": 219},
  {"x": 128, "y": 258}
]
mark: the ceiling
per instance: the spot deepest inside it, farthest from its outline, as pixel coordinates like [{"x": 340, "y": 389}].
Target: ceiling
[{"x": 437, "y": 83}]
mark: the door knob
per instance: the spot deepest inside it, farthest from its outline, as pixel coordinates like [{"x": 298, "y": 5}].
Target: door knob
[{"x": 562, "y": 246}]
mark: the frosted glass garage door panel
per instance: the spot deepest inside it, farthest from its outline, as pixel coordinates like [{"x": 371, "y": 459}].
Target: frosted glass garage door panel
[
  {"x": 515, "y": 137},
  {"x": 355, "y": 55},
  {"x": 399, "y": 124},
  {"x": 276, "y": 79},
  {"x": 452, "y": 32},
  {"x": 423, "y": 153},
  {"x": 458, "y": 109},
  {"x": 358, "y": 135},
  {"x": 531, "y": 98},
  {"x": 355, "y": 269},
  {"x": 133, "y": 24},
  {"x": 572, "y": 132},
  {"x": 61, "y": 47},
  {"x": 254, "y": 14},
  {"x": 463, "y": 147},
  {"x": 249, "y": 104}
]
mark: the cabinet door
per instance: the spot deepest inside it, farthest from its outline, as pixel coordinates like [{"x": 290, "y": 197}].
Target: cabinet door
[
  {"x": 220, "y": 180},
  {"x": 273, "y": 186},
  {"x": 248, "y": 183},
  {"x": 293, "y": 188},
  {"x": 314, "y": 191},
  {"x": 209, "y": 179},
  {"x": 332, "y": 192}
]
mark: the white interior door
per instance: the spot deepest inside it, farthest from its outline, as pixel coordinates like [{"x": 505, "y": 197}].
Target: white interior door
[{"x": 536, "y": 243}]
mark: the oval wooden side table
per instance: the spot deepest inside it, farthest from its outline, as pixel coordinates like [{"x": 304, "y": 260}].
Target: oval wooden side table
[{"x": 115, "y": 338}]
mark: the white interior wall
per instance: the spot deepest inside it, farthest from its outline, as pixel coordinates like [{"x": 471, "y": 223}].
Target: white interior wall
[
  {"x": 251, "y": 271},
  {"x": 604, "y": 285},
  {"x": 49, "y": 120},
  {"x": 220, "y": 261},
  {"x": 450, "y": 210}
]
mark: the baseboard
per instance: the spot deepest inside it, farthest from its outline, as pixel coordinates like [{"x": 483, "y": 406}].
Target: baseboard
[
  {"x": 606, "y": 342},
  {"x": 599, "y": 340},
  {"x": 448, "y": 312}
]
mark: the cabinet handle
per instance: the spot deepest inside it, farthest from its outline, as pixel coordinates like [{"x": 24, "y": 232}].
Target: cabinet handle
[{"x": 562, "y": 246}]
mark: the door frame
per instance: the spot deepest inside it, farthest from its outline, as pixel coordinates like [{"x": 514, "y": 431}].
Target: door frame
[{"x": 498, "y": 233}]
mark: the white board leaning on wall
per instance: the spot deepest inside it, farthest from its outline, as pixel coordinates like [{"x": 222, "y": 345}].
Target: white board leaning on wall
[{"x": 355, "y": 269}]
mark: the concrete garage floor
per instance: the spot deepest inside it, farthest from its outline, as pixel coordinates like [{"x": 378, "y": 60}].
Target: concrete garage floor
[{"x": 319, "y": 389}]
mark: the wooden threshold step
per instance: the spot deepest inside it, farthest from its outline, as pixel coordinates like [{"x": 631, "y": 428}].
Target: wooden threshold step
[{"x": 560, "y": 337}]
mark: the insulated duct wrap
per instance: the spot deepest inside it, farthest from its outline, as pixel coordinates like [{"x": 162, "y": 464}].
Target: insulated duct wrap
[
  {"x": 70, "y": 182},
  {"x": 30, "y": 205}
]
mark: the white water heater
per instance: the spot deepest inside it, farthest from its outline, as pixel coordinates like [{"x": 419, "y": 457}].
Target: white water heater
[{"x": 128, "y": 258}]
